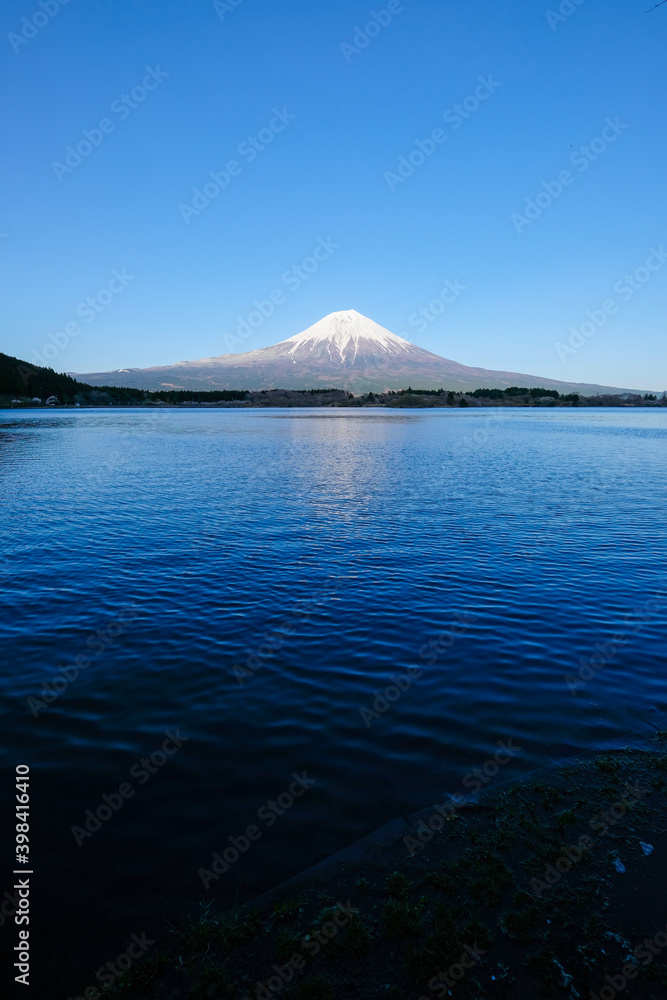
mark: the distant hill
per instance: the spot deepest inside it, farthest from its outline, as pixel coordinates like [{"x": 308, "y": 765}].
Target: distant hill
[{"x": 344, "y": 350}]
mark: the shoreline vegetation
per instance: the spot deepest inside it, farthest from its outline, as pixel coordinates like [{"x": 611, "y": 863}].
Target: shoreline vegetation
[
  {"x": 550, "y": 886},
  {"x": 24, "y": 386}
]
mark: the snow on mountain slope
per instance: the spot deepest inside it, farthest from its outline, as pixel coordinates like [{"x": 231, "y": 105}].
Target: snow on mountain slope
[
  {"x": 345, "y": 336},
  {"x": 343, "y": 350}
]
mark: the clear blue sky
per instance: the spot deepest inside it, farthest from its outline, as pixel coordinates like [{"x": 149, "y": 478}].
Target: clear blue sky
[{"x": 323, "y": 175}]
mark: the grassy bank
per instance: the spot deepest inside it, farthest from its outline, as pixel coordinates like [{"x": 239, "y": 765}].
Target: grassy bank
[{"x": 541, "y": 890}]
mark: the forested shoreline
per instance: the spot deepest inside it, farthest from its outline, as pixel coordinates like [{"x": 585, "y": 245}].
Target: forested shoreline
[{"x": 24, "y": 385}]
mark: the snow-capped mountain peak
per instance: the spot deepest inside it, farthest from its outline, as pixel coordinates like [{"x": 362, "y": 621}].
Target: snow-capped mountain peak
[
  {"x": 343, "y": 350},
  {"x": 343, "y": 336}
]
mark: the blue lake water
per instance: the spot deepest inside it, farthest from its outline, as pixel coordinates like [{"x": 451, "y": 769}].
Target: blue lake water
[{"x": 317, "y": 553}]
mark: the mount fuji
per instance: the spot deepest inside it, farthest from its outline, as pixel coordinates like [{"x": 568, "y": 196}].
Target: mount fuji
[{"x": 344, "y": 350}]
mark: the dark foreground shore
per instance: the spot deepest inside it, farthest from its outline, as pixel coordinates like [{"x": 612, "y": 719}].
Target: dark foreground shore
[{"x": 551, "y": 888}]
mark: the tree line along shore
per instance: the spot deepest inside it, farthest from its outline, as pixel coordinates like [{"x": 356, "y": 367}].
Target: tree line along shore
[{"x": 24, "y": 385}]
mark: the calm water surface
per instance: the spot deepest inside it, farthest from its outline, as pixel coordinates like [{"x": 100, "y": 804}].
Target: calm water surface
[{"x": 168, "y": 549}]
